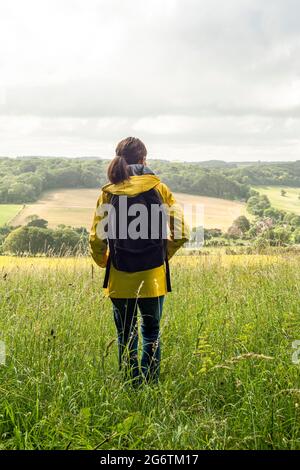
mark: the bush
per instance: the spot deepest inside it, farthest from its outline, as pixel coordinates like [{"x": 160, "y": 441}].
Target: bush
[
  {"x": 295, "y": 221},
  {"x": 273, "y": 214},
  {"x": 38, "y": 240},
  {"x": 258, "y": 204},
  {"x": 296, "y": 236}
]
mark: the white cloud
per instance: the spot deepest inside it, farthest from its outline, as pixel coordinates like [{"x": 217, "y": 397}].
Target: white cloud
[{"x": 194, "y": 78}]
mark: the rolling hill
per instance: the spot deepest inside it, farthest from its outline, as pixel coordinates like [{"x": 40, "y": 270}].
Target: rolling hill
[
  {"x": 289, "y": 203},
  {"x": 75, "y": 207}
]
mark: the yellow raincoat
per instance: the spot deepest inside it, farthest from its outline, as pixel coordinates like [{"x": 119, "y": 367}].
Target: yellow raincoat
[{"x": 151, "y": 282}]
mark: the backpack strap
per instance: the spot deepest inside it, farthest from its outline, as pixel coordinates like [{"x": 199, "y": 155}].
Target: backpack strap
[
  {"x": 168, "y": 277},
  {"x": 107, "y": 271}
]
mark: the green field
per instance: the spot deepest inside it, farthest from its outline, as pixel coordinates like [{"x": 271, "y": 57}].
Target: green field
[
  {"x": 288, "y": 203},
  {"x": 8, "y": 212},
  {"x": 228, "y": 380}
]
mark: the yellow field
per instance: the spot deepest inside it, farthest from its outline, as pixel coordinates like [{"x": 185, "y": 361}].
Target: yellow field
[
  {"x": 75, "y": 207},
  {"x": 66, "y": 206},
  {"x": 179, "y": 261},
  {"x": 218, "y": 213}
]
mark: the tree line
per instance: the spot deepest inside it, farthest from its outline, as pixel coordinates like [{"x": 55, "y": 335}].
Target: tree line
[{"x": 23, "y": 179}]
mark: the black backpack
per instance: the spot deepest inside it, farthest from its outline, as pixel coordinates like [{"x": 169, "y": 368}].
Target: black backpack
[{"x": 148, "y": 249}]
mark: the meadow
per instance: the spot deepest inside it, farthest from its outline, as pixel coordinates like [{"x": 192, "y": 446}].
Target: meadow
[
  {"x": 228, "y": 380},
  {"x": 289, "y": 203},
  {"x": 75, "y": 207},
  {"x": 8, "y": 212}
]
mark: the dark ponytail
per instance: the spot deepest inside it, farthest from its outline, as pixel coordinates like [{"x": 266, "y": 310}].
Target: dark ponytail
[
  {"x": 128, "y": 152},
  {"x": 118, "y": 170}
]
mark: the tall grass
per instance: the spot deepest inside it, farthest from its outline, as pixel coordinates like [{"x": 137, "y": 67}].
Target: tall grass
[{"x": 227, "y": 380}]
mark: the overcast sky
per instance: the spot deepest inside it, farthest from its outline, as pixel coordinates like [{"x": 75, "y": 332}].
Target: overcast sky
[{"x": 194, "y": 79}]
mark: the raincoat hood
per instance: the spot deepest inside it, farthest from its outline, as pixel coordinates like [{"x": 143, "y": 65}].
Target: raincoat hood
[{"x": 133, "y": 186}]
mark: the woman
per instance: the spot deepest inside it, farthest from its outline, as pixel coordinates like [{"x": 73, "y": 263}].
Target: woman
[{"x": 143, "y": 281}]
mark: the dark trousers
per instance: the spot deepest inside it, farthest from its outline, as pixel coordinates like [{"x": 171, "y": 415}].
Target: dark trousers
[{"x": 125, "y": 316}]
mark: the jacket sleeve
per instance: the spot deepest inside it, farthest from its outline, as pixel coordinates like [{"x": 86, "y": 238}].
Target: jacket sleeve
[
  {"x": 179, "y": 230},
  {"x": 98, "y": 245}
]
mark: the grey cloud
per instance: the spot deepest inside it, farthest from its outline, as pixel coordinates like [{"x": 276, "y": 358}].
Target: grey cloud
[
  {"x": 90, "y": 99},
  {"x": 130, "y": 60}
]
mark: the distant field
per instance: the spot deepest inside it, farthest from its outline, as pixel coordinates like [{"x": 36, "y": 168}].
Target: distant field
[
  {"x": 75, "y": 207},
  {"x": 8, "y": 212},
  {"x": 218, "y": 213},
  {"x": 66, "y": 206},
  {"x": 289, "y": 203}
]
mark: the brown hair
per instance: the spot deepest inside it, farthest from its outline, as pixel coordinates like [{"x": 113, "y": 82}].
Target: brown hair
[{"x": 128, "y": 152}]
